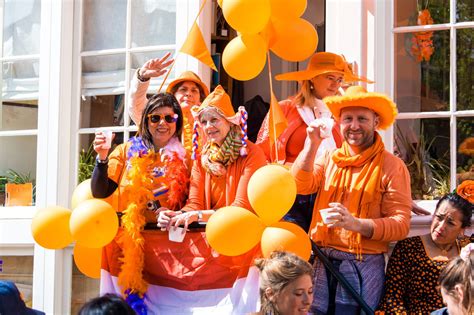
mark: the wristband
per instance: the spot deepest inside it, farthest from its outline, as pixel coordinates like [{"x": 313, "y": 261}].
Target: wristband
[{"x": 140, "y": 78}]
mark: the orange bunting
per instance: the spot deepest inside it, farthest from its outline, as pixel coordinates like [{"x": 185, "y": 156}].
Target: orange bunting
[{"x": 195, "y": 46}]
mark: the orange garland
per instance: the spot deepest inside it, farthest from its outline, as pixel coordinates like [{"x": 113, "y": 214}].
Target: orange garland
[{"x": 422, "y": 42}]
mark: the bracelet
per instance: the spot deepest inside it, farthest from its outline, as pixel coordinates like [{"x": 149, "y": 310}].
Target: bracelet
[
  {"x": 199, "y": 216},
  {"x": 140, "y": 78}
]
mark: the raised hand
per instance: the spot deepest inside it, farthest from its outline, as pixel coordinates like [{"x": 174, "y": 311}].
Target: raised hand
[{"x": 155, "y": 67}]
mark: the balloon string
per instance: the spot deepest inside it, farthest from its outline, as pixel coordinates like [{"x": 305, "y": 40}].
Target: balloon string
[{"x": 271, "y": 98}]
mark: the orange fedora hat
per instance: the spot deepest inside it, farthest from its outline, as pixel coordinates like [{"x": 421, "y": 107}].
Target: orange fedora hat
[
  {"x": 357, "y": 96},
  {"x": 188, "y": 76},
  {"x": 321, "y": 63}
]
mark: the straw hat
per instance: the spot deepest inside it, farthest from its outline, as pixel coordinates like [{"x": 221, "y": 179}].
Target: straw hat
[
  {"x": 188, "y": 76},
  {"x": 321, "y": 63},
  {"x": 358, "y": 96}
]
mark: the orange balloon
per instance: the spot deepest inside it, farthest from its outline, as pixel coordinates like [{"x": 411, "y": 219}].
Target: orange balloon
[
  {"x": 284, "y": 9},
  {"x": 50, "y": 227},
  {"x": 246, "y": 16},
  {"x": 268, "y": 34},
  {"x": 271, "y": 191},
  {"x": 81, "y": 193},
  {"x": 93, "y": 223},
  {"x": 88, "y": 260},
  {"x": 244, "y": 57},
  {"x": 296, "y": 39},
  {"x": 286, "y": 236},
  {"x": 233, "y": 231}
]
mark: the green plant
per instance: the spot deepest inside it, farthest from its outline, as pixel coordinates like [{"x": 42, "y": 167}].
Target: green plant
[
  {"x": 86, "y": 163},
  {"x": 14, "y": 177}
]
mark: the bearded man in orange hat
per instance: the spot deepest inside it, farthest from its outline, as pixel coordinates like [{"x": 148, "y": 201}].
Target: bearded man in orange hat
[{"x": 365, "y": 192}]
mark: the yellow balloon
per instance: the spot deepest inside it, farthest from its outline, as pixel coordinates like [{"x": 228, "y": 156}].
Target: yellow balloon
[
  {"x": 233, "y": 231},
  {"x": 268, "y": 34},
  {"x": 296, "y": 39},
  {"x": 50, "y": 227},
  {"x": 246, "y": 16},
  {"x": 81, "y": 193},
  {"x": 284, "y": 9},
  {"x": 93, "y": 223},
  {"x": 286, "y": 236},
  {"x": 272, "y": 192},
  {"x": 244, "y": 57},
  {"x": 88, "y": 260}
]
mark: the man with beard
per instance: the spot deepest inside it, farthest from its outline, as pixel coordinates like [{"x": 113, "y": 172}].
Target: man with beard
[{"x": 365, "y": 191}]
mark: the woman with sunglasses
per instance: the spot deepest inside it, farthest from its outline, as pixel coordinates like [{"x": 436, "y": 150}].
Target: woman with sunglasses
[
  {"x": 323, "y": 77},
  {"x": 220, "y": 175},
  {"x": 188, "y": 89},
  {"x": 155, "y": 157}
]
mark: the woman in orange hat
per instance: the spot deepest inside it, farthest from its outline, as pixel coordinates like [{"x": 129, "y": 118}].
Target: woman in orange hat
[
  {"x": 323, "y": 77},
  {"x": 188, "y": 89},
  {"x": 220, "y": 175}
]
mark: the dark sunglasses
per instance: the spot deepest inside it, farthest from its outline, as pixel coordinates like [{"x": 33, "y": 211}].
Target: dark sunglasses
[{"x": 156, "y": 118}]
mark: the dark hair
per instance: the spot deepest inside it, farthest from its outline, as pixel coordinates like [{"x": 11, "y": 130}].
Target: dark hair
[
  {"x": 157, "y": 101},
  {"x": 108, "y": 304},
  {"x": 276, "y": 273},
  {"x": 202, "y": 95},
  {"x": 462, "y": 205},
  {"x": 460, "y": 272}
]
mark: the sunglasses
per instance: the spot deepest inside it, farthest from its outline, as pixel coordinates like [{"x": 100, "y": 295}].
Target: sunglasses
[{"x": 156, "y": 118}]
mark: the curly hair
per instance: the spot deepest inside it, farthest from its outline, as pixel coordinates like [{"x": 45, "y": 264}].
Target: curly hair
[{"x": 276, "y": 273}]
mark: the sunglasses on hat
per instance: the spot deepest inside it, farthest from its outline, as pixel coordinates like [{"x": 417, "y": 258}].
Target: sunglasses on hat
[{"x": 156, "y": 118}]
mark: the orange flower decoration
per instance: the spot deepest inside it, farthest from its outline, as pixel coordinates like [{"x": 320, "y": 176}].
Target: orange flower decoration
[
  {"x": 466, "y": 190},
  {"x": 467, "y": 146},
  {"x": 422, "y": 42}
]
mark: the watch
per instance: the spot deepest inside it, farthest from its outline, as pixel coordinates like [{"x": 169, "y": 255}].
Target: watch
[
  {"x": 199, "y": 216},
  {"x": 99, "y": 161}
]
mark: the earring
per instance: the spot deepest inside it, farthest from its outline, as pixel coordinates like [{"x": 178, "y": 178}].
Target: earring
[{"x": 311, "y": 87}]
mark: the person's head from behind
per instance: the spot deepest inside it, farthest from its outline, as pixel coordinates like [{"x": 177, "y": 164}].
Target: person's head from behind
[
  {"x": 162, "y": 119},
  {"x": 108, "y": 304},
  {"x": 452, "y": 215},
  {"x": 286, "y": 284},
  {"x": 456, "y": 282},
  {"x": 11, "y": 302},
  {"x": 188, "y": 89}
]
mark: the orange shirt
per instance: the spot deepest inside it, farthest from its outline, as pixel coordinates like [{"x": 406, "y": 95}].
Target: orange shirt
[{"x": 390, "y": 212}]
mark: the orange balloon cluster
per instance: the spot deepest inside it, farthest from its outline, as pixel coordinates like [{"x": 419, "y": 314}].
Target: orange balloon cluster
[
  {"x": 234, "y": 231},
  {"x": 92, "y": 224},
  {"x": 265, "y": 24}
]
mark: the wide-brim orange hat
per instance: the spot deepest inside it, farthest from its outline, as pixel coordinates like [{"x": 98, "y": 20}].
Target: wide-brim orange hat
[
  {"x": 188, "y": 76},
  {"x": 357, "y": 96},
  {"x": 220, "y": 101},
  {"x": 321, "y": 63}
]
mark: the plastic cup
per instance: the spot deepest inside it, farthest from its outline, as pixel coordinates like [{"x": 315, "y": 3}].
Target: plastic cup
[
  {"x": 108, "y": 138},
  {"x": 326, "y": 216},
  {"x": 176, "y": 234}
]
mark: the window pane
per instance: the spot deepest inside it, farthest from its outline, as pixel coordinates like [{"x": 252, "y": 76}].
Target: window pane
[
  {"x": 20, "y": 80},
  {"x": 464, "y": 10},
  {"x": 21, "y": 27},
  {"x": 138, "y": 59},
  {"x": 18, "y": 160},
  {"x": 465, "y": 68},
  {"x": 465, "y": 156},
  {"x": 104, "y": 24},
  {"x": 422, "y": 86},
  {"x": 83, "y": 289},
  {"x": 19, "y": 115},
  {"x": 153, "y": 22},
  {"x": 406, "y": 11},
  {"x": 19, "y": 269},
  {"x": 102, "y": 75},
  {"x": 424, "y": 146},
  {"x": 102, "y": 110}
]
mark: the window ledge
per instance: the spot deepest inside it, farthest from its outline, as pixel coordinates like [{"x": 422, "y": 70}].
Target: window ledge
[{"x": 17, "y": 212}]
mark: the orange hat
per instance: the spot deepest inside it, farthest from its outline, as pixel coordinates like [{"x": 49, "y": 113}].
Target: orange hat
[
  {"x": 188, "y": 76},
  {"x": 358, "y": 96},
  {"x": 321, "y": 63}
]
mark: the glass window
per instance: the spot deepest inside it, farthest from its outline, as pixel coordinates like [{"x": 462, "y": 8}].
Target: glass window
[
  {"x": 465, "y": 68},
  {"x": 407, "y": 12},
  {"x": 19, "y": 269},
  {"x": 465, "y": 145},
  {"x": 83, "y": 289},
  {"x": 464, "y": 10}
]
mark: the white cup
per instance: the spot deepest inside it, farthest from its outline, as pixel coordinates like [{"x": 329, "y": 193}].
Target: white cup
[
  {"x": 176, "y": 234},
  {"x": 326, "y": 216},
  {"x": 108, "y": 138}
]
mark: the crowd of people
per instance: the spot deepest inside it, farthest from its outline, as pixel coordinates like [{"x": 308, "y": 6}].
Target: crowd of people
[{"x": 191, "y": 157}]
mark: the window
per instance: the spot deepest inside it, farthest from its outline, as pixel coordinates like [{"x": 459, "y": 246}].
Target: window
[
  {"x": 117, "y": 37},
  {"x": 433, "y": 88},
  {"x": 19, "y": 59}
]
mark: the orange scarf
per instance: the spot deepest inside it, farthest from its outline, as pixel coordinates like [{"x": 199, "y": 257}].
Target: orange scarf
[{"x": 362, "y": 193}]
